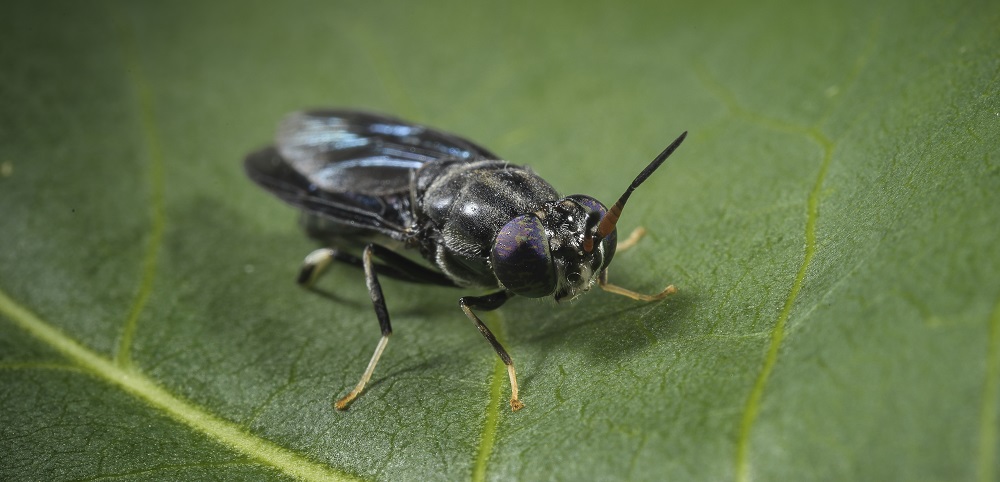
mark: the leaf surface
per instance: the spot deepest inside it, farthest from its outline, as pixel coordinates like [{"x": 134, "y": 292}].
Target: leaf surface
[{"x": 830, "y": 222}]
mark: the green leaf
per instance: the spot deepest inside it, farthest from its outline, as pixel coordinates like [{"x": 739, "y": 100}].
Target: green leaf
[{"x": 831, "y": 224}]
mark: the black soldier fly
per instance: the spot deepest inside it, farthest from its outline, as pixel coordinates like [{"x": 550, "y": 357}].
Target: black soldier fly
[{"x": 366, "y": 180}]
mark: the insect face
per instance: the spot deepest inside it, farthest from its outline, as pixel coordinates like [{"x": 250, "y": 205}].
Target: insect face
[{"x": 542, "y": 253}]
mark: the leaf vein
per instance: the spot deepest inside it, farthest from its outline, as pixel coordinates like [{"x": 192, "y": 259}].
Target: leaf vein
[
  {"x": 146, "y": 389},
  {"x": 144, "y": 99},
  {"x": 488, "y": 438},
  {"x": 988, "y": 408},
  {"x": 751, "y": 407}
]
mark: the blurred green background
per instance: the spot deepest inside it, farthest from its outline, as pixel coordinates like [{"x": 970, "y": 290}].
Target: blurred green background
[{"x": 831, "y": 224}]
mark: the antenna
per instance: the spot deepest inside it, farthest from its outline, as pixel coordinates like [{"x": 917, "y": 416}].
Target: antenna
[{"x": 610, "y": 218}]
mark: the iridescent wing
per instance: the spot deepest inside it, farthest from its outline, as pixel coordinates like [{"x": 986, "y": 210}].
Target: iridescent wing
[{"x": 353, "y": 168}]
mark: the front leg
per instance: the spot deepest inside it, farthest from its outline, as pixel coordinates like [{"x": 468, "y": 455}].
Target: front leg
[
  {"x": 487, "y": 303},
  {"x": 602, "y": 281},
  {"x": 628, "y": 243}
]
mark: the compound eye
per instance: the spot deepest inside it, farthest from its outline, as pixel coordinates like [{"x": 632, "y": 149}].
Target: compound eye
[
  {"x": 610, "y": 243},
  {"x": 521, "y": 258},
  {"x": 597, "y": 211},
  {"x": 589, "y": 203}
]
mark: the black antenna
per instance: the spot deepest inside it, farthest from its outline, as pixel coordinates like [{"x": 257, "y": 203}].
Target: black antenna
[{"x": 610, "y": 218}]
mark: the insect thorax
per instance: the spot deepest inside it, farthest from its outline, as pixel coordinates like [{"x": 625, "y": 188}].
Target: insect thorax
[{"x": 465, "y": 204}]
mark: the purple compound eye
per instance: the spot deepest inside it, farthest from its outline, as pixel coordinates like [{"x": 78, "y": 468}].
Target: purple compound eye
[
  {"x": 589, "y": 203},
  {"x": 521, "y": 259},
  {"x": 597, "y": 211}
]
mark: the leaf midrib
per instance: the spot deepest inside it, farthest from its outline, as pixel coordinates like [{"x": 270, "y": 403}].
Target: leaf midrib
[
  {"x": 146, "y": 389},
  {"x": 119, "y": 371}
]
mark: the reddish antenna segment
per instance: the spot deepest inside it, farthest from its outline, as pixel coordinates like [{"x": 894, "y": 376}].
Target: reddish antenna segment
[{"x": 610, "y": 218}]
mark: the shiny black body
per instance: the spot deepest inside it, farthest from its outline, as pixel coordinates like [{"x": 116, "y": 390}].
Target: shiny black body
[
  {"x": 384, "y": 186},
  {"x": 363, "y": 177}
]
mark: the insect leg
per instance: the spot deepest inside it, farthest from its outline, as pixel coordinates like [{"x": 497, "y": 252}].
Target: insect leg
[
  {"x": 382, "y": 313},
  {"x": 487, "y": 303},
  {"x": 632, "y": 239},
  {"x": 397, "y": 266},
  {"x": 602, "y": 281},
  {"x": 408, "y": 269},
  {"x": 317, "y": 261}
]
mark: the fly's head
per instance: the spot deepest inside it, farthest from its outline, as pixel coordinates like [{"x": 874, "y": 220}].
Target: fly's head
[
  {"x": 545, "y": 253},
  {"x": 561, "y": 249}
]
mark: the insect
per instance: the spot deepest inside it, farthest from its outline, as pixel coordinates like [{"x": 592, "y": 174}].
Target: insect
[{"x": 378, "y": 185}]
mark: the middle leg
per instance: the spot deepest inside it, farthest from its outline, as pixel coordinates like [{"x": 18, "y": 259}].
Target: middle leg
[{"x": 382, "y": 313}]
